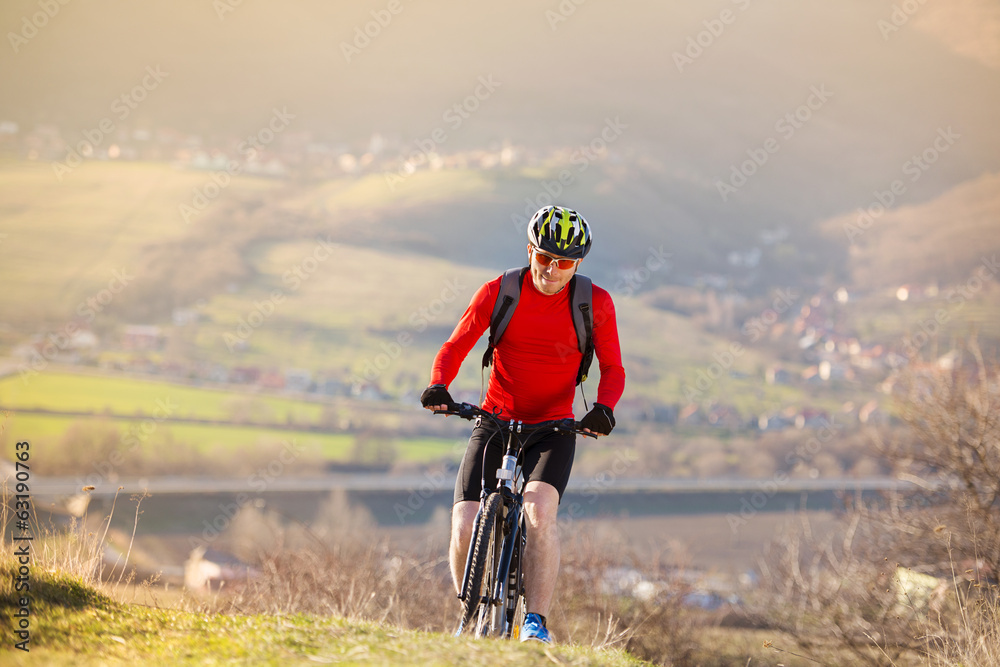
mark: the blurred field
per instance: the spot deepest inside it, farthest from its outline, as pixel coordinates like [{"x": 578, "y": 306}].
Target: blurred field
[
  {"x": 314, "y": 278},
  {"x": 124, "y": 403},
  {"x": 48, "y": 430},
  {"x": 313, "y": 274},
  {"x": 65, "y": 239},
  {"x": 129, "y": 396}
]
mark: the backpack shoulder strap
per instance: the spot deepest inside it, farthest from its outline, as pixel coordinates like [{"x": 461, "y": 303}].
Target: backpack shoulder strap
[
  {"x": 581, "y": 299},
  {"x": 503, "y": 308}
]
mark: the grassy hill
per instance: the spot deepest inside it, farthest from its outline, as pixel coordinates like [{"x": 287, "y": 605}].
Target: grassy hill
[
  {"x": 352, "y": 281},
  {"x": 72, "y": 623},
  {"x": 330, "y": 276},
  {"x": 65, "y": 242}
]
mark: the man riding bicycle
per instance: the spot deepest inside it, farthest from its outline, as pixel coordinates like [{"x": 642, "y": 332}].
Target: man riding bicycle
[{"x": 536, "y": 365}]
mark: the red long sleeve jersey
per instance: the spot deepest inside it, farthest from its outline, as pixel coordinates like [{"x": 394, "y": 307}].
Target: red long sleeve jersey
[{"x": 536, "y": 362}]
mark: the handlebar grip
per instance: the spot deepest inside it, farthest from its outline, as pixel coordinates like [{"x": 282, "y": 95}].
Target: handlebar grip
[{"x": 463, "y": 410}]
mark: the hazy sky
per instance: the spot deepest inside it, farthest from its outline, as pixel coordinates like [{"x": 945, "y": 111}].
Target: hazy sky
[{"x": 841, "y": 95}]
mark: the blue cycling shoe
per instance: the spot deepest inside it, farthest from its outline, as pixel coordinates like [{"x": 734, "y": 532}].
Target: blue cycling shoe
[{"x": 534, "y": 630}]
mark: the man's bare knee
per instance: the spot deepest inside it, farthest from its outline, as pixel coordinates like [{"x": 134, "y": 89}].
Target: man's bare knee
[
  {"x": 463, "y": 517},
  {"x": 541, "y": 504}
]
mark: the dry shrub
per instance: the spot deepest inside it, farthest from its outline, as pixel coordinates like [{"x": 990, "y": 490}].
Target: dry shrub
[
  {"x": 84, "y": 442},
  {"x": 835, "y": 591},
  {"x": 334, "y": 566},
  {"x": 865, "y": 590},
  {"x": 609, "y": 595},
  {"x": 978, "y": 642},
  {"x": 954, "y": 448},
  {"x": 353, "y": 580},
  {"x": 913, "y": 576}
]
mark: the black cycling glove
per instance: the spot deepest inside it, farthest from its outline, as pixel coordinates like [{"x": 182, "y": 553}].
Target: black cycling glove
[
  {"x": 601, "y": 419},
  {"x": 436, "y": 394}
]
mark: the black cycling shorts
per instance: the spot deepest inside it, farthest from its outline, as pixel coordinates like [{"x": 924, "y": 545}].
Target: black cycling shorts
[{"x": 547, "y": 457}]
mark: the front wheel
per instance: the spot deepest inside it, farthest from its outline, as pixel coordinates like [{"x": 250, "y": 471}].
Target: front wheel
[{"x": 482, "y": 568}]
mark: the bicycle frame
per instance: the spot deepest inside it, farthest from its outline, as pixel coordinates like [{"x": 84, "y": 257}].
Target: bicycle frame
[
  {"x": 510, "y": 488},
  {"x": 497, "y": 607}
]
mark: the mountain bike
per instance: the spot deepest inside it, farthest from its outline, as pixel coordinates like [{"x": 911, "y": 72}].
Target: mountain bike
[{"x": 493, "y": 583}]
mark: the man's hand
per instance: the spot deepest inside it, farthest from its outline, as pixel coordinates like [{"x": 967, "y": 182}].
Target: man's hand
[
  {"x": 600, "y": 420},
  {"x": 436, "y": 397}
]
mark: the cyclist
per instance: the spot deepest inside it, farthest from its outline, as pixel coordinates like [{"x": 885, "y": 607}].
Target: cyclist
[{"x": 535, "y": 366}]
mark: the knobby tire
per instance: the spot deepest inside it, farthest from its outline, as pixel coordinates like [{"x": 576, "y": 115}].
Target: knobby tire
[{"x": 484, "y": 555}]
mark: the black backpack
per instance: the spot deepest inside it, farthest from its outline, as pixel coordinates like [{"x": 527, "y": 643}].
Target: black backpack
[{"x": 580, "y": 299}]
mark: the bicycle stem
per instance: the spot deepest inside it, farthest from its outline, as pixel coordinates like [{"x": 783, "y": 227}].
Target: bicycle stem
[{"x": 507, "y": 472}]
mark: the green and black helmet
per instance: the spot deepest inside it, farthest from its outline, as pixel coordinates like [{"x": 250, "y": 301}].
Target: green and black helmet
[{"x": 560, "y": 231}]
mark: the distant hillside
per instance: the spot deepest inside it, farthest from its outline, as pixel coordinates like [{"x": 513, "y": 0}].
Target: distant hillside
[
  {"x": 560, "y": 76},
  {"x": 943, "y": 240},
  {"x": 334, "y": 277}
]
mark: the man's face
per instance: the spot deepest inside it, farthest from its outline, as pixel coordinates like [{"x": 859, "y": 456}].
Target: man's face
[{"x": 549, "y": 279}]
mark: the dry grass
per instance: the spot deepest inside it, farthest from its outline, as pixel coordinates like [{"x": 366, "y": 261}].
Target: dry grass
[
  {"x": 912, "y": 579},
  {"x": 334, "y": 566},
  {"x": 331, "y": 568},
  {"x": 830, "y": 597},
  {"x": 837, "y": 594},
  {"x": 81, "y": 549},
  {"x": 609, "y": 595}
]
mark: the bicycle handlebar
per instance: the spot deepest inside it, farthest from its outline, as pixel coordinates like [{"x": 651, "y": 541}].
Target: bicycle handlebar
[{"x": 470, "y": 412}]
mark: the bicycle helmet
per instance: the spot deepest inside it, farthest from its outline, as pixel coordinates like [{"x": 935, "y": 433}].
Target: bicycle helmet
[{"x": 560, "y": 231}]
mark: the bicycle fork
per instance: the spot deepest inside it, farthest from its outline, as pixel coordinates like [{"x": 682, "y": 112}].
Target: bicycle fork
[{"x": 502, "y": 586}]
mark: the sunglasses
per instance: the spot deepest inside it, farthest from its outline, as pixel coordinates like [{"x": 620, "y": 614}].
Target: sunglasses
[{"x": 545, "y": 260}]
